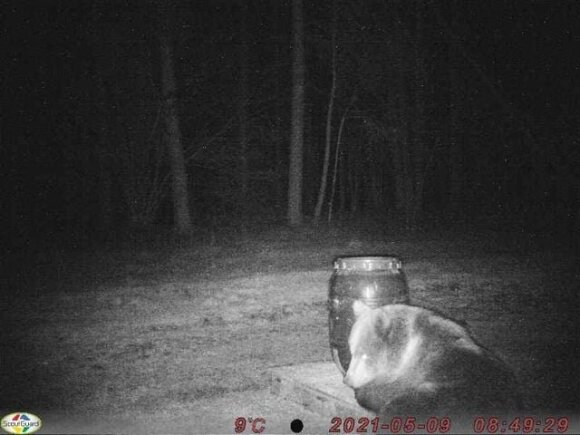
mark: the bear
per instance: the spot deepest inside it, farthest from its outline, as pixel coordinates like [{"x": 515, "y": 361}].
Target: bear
[{"x": 408, "y": 360}]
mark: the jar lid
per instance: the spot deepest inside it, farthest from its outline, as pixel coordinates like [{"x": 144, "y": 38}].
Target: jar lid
[{"x": 366, "y": 263}]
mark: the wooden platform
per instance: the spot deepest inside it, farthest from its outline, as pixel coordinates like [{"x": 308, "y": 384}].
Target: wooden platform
[{"x": 318, "y": 388}]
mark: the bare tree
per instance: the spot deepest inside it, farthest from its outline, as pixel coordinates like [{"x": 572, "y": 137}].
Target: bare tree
[
  {"x": 456, "y": 153},
  {"x": 420, "y": 146},
  {"x": 243, "y": 111},
  {"x": 337, "y": 157},
  {"x": 182, "y": 217},
  {"x": 297, "y": 133},
  {"x": 331, "y": 98},
  {"x": 128, "y": 150}
]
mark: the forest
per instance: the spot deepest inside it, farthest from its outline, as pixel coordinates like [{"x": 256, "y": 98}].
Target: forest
[{"x": 122, "y": 117}]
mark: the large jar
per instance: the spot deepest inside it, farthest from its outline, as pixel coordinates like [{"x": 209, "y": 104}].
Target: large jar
[{"x": 375, "y": 280}]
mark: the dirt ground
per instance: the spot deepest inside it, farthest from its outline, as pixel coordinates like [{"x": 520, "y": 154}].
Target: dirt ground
[{"x": 179, "y": 338}]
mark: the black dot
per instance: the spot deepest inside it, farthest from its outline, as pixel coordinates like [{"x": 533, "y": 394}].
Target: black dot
[{"x": 296, "y": 426}]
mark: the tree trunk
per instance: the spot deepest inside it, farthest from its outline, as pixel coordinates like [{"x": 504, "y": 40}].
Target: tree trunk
[
  {"x": 243, "y": 114},
  {"x": 455, "y": 146},
  {"x": 326, "y": 162},
  {"x": 352, "y": 173},
  {"x": 182, "y": 216},
  {"x": 103, "y": 145},
  {"x": 280, "y": 17},
  {"x": 420, "y": 123},
  {"x": 406, "y": 149},
  {"x": 105, "y": 186},
  {"x": 337, "y": 157},
  {"x": 406, "y": 137},
  {"x": 397, "y": 106},
  {"x": 576, "y": 222},
  {"x": 297, "y": 130},
  {"x": 399, "y": 173},
  {"x": 455, "y": 190}
]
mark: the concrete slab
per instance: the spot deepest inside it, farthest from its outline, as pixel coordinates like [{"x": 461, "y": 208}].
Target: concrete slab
[{"x": 318, "y": 388}]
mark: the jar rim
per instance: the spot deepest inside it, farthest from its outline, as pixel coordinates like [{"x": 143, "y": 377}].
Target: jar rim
[{"x": 368, "y": 262}]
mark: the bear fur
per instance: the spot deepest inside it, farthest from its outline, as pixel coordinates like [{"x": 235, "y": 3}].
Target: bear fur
[{"x": 408, "y": 360}]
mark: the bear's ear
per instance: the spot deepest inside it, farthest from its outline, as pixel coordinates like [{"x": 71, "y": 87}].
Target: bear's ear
[{"x": 360, "y": 309}]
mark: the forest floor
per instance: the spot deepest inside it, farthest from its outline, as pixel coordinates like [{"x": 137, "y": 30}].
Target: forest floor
[{"x": 179, "y": 338}]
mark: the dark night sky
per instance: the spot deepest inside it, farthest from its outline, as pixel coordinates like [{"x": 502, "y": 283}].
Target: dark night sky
[{"x": 528, "y": 50}]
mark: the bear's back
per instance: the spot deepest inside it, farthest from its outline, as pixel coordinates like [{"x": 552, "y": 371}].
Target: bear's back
[{"x": 446, "y": 373}]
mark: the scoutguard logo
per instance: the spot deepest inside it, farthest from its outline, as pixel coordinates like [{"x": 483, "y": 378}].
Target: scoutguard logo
[{"x": 21, "y": 423}]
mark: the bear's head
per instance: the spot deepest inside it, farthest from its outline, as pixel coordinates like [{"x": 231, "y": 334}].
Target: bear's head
[{"x": 380, "y": 342}]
